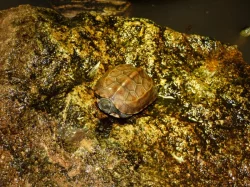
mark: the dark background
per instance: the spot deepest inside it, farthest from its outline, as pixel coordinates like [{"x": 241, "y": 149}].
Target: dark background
[{"x": 220, "y": 19}]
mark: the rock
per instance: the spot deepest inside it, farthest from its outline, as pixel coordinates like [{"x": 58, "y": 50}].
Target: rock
[
  {"x": 52, "y": 133},
  {"x": 71, "y": 8}
]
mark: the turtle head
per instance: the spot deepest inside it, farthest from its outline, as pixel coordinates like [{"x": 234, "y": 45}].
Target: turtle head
[{"x": 107, "y": 106}]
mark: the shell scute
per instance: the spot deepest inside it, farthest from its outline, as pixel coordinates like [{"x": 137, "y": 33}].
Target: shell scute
[
  {"x": 137, "y": 79},
  {"x": 139, "y": 90},
  {"x": 131, "y": 87},
  {"x": 131, "y": 96}
]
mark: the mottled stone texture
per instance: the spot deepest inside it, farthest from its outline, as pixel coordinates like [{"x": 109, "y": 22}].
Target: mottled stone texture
[{"x": 52, "y": 134}]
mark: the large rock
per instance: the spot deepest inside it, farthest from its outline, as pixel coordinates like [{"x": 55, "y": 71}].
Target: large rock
[{"x": 52, "y": 134}]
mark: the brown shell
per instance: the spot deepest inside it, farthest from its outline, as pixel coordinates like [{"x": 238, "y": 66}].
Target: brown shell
[{"x": 129, "y": 88}]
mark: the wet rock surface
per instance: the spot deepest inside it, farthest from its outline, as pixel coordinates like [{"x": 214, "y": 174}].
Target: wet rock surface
[
  {"x": 71, "y": 8},
  {"x": 53, "y": 134}
]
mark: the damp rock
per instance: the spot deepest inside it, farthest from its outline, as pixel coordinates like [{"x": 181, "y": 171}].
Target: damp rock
[{"x": 51, "y": 130}]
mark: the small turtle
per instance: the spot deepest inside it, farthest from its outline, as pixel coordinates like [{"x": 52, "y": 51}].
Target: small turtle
[{"x": 125, "y": 90}]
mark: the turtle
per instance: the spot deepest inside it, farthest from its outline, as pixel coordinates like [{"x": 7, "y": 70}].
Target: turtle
[{"x": 125, "y": 90}]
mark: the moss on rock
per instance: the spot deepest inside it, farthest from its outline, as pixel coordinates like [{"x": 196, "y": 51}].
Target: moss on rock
[{"x": 53, "y": 134}]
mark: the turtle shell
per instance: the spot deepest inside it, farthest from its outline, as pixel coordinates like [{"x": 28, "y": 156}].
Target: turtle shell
[{"x": 130, "y": 89}]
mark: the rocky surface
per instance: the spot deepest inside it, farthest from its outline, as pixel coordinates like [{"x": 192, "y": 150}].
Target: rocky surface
[
  {"x": 52, "y": 134},
  {"x": 71, "y": 8}
]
